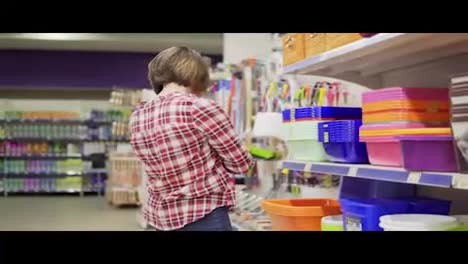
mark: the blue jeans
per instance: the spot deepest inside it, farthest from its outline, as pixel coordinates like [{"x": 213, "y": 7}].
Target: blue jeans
[{"x": 217, "y": 220}]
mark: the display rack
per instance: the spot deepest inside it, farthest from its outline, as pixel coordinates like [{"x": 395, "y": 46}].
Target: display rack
[
  {"x": 46, "y": 182},
  {"x": 390, "y": 60}
]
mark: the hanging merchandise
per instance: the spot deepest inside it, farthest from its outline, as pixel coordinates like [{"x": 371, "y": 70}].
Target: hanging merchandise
[{"x": 459, "y": 118}]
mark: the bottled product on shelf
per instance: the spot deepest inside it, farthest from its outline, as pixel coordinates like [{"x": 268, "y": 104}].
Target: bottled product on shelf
[
  {"x": 67, "y": 166},
  {"x": 38, "y": 148},
  {"x": 45, "y": 131},
  {"x": 30, "y": 185},
  {"x": 40, "y": 115},
  {"x": 123, "y": 97}
]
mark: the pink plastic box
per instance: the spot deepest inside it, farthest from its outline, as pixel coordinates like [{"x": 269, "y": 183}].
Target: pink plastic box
[
  {"x": 406, "y": 93},
  {"x": 385, "y": 151}
]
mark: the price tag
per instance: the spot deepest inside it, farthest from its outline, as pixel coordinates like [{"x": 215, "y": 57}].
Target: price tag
[{"x": 414, "y": 177}]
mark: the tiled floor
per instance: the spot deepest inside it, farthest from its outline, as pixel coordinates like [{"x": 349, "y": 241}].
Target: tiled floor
[{"x": 63, "y": 213}]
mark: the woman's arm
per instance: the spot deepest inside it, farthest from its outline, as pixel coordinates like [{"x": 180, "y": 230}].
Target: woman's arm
[{"x": 210, "y": 118}]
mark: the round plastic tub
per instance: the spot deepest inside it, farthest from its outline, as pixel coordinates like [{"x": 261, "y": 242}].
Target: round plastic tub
[
  {"x": 361, "y": 214},
  {"x": 417, "y": 222},
  {"x": 332, "y": 223},
  {"x": 431, "y": 153},
  {"x": 299, "y": 214}
]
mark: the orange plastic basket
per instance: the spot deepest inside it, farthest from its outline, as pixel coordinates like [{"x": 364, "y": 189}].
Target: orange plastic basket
[
  {"x": 405, "y": 116},
  {"x": 424, "y": 105},
  {"x": 299, "y": 214}
]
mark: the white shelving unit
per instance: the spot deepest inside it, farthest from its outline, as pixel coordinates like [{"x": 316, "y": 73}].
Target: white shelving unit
[{"x": 383, "y": 52}]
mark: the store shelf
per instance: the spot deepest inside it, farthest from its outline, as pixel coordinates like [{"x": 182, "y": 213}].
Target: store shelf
[
  {"x": 40, "y": 157},
  {"x": 438, "y": 179},
  {"x": 67, "y": 191},
  {"x": 42, "y": 175},
  {"x": 35, "y": 139},
  {"x": 56, "y": 121},
  {"x": 108, "y": 140},
  {"x": 382, "y": 52}
]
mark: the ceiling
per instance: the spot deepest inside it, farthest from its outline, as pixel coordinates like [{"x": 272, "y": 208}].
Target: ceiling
[{"x": 208, "y": 43}]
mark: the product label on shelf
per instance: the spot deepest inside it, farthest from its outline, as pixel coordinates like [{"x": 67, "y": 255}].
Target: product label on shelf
[{"x": 353, "y": 224}]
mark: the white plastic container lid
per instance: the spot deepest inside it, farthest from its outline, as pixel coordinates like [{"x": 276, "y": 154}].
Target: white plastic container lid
[
  {"x": 417, "y": 222},
  {"x": 333, "y": 220}
]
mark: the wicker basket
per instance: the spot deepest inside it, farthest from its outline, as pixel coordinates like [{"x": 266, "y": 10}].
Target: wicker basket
[
  {"x": 293, "y": 48},
  {"x": 335, "y": 40},
  {"x": 314, "y": 44}
]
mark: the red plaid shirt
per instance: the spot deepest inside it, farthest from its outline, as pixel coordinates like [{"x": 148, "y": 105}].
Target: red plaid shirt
[{"x": 189, "y": 148}]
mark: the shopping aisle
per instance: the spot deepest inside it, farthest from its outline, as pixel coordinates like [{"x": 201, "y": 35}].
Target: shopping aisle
[{"x": 64, "y": 213}]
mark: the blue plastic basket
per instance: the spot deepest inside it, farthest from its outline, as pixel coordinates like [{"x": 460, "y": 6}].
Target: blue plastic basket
[
  {"x": 346, "y": 152},
  {"x": 339, "y": 131},
  {"x": 323, "y": 112},
  {"x": 364, "y": 214}
]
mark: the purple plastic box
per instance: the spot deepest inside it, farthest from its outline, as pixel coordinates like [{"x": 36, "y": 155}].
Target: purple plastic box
[{"x": 428, "y": 153}]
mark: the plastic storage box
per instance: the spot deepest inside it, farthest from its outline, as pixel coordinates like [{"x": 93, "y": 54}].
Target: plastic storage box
[
  {"x": 431, "y": 153},
  {"x": 406, "y": 116},
  {"x": 406, "y": 93},
  {"x": 422, "y": 205},
  {"x": 414, "y": 105},
  {"x": 385, "y": 147},
  {"x": 363, "y": 214},
  {"x": 299, "y": 214},
  {"x": 322, "y": 112},
  {"x": 385, "y": 151},
  {"x": 302, "y": 140},
  {"x": 341, "y": 141},
  {"x": 306, "y": 150}
]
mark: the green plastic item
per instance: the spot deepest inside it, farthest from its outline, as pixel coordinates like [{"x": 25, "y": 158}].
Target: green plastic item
[
  {"x": 460, "y": 228},
  {"x": 262, "y": 153},
  {"x": 332, "y": 223}
]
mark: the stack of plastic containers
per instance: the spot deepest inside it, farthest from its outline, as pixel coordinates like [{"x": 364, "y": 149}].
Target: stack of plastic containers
[
  {"x": 341, "y": 141},
  {"x": 403, "y": 125},
  {"x": 300, "y": 126}
]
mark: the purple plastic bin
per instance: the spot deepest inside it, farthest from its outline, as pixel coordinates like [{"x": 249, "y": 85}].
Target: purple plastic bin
[{"x": 428, "y": 153}]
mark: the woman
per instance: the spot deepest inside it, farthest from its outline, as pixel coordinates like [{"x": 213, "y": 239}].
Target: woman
[{"x": 188, "y": 145}]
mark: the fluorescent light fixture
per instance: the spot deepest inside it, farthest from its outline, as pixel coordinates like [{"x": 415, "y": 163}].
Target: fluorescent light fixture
[{"x": 58, "y": 36}]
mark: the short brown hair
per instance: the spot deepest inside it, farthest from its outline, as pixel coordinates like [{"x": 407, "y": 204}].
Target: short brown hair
[{"x": 179, "y": 65}]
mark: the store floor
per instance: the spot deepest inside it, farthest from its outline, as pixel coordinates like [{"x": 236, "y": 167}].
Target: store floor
[{"x": 64, "y": 213}]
